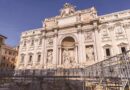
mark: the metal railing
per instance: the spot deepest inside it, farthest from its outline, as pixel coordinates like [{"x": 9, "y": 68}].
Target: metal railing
[{"x": 114, "y": 70}]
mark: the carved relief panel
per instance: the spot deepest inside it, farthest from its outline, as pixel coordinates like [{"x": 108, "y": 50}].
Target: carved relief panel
[
  {"x": 105, "y": 34},
  {"x": 86, "y": 18},
  {"x": 49, "y": 42},
  {"x": 49, "y": 24},
  {"x": 119, "y": 32},
  {"x": 88, "y": 15},
  {"x": 88, "y": 36}
]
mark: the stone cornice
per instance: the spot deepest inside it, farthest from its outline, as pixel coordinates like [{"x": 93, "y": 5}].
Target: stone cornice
[
  {"x": 115, "y": 20},
  {"x": 121, "y": 15}
]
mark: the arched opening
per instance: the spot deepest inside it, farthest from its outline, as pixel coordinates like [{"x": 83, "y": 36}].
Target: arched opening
[
  {"x": 68, "y": 51},
  {"x": 68, "y": 42}
]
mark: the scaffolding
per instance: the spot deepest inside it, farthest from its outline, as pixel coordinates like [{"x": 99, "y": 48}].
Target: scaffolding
[{"x": 110, "y": 74}]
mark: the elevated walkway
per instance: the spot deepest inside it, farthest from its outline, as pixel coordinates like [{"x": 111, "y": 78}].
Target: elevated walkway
[{"x": 110, "y": 74}]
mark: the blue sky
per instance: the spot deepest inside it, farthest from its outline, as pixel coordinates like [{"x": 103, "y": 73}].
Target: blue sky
[{"x": 17, "y": 16}]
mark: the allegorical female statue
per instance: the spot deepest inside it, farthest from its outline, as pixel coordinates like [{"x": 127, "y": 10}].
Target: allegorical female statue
[
  {"x": 66, "y": 56},
  {"x": 49, "y": 57}
]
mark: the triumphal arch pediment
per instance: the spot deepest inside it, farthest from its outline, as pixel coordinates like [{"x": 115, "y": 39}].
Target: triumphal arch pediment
[{"x": 70, "y": 17}]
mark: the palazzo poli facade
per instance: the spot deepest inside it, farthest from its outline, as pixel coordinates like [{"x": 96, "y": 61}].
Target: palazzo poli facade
[{"x": 74, "y": 39}]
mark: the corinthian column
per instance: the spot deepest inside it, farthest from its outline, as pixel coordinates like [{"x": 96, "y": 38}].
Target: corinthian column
[
  {"x": 97, "y": 43},
  {"x": 44, "y": 50},
  {"x": 59, "y": 53},
  {"x": 76, "y": 54},
  {"x": 80, "y": 45}
]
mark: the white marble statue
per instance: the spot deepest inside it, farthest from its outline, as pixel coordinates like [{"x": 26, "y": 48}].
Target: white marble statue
[
  {"x": 68, "y": 57},
  {"x": 89, "y": 53},
  {"x": 49, "y": 57},
  {"x": 88, "y": 36},
  {"x": 67, "y": 10}
]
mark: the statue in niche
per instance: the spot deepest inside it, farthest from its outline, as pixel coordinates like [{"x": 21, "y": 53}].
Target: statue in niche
[
  {"x": 68, "y": 57},
  {"x": 89, "y": 53},
  {"x": 49, "y": 57},
  {"x": 88, "y": 36}
]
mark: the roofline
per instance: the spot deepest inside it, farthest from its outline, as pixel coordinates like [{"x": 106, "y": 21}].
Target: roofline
[
  {"x": 113, "y": 13},
  {"x": 3, "y": 36}
]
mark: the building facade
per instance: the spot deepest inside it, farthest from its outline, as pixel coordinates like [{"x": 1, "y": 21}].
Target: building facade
[
  {"x": 74, "y": 39},
  {"x": 7, "y": 55},
  {"x": 2, "y": 40}
]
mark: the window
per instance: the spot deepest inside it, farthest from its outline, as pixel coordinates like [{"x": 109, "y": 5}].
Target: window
[
  {"x": 10, "y": 53},
  {"x": 5, "y": 52},
  {"x": 40, "y": 41},
  {"x": 39, "y": 58},
  {"x": 13, "y": 59},
  {"x": 24, "y": 44},
  {"x": 108, "y": 53},
  {"x": 14, "y": 54},
  {"x": 123, "y": 49},
  {"x": 7, "y": 65},
  {"x": 107, "y": 50},
  {"x": 3, "y": 57},
  {"x": 30, "y": 58},
  {"x": 8, "y": 59},
  {"x": 32, "y": 43}
]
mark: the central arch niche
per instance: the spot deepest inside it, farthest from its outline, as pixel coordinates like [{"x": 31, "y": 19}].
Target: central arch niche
[
  {"x": 68, "y": 42},
  {"x": 68, "y": 51}
]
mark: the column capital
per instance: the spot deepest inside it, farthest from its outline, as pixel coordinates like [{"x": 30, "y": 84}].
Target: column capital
[
  {"x": 76, "y": 44},
  {"x": 59, "y": 46},
  {"x": 95, "y": 24},
  {"x": 79, "y": 28},
  {"x": 55, "y": 33}
]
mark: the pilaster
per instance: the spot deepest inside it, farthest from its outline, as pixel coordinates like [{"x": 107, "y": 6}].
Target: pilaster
[
  {"x": 55, "y": 48},
  {"x": 44, "y": 50},
  {"x": 80, "y": 45},
  {"x": 97, "y": 43}
]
